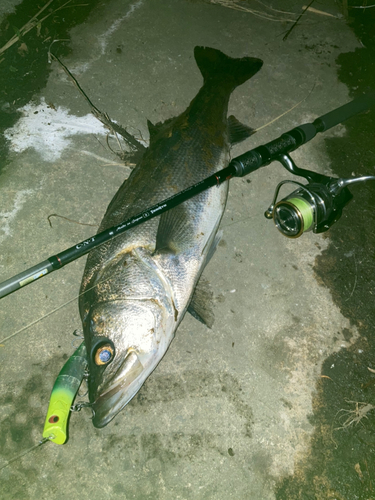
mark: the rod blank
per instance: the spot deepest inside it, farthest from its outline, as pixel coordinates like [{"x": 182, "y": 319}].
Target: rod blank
[{"x": 238, "y": 167}]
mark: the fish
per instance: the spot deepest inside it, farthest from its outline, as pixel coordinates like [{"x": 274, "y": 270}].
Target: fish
[{"x": 137, "y": 287}]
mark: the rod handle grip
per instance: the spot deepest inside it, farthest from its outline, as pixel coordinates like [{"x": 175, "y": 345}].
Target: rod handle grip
[
  {"x": 246, "y": 163},
  {"x": 344, "y": 112}
]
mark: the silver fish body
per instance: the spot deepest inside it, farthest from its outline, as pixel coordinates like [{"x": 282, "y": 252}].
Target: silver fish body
[{"x": 137, "y": 287}]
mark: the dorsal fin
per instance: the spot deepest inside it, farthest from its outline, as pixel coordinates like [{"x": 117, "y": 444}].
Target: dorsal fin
[
  {"x": 159, "y": 128},
  {"x": 152, "y": 129}
]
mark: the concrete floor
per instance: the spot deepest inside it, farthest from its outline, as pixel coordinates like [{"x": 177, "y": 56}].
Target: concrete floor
[{"x": 226, "y": 414}]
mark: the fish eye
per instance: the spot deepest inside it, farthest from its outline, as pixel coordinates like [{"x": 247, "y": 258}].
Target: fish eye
[
  {"x": 102, "y": 350},
  {"x": 103, "y": 355}
]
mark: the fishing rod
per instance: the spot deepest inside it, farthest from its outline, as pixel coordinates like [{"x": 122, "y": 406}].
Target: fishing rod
[{"x": 315, "y": 206}]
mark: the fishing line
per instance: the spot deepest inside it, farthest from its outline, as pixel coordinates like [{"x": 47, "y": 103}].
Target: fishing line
[
  {"x": 40, "y": 443},
  {"x": 264, "y": 126},
  {"x": 237, "y": 221},
  {"x": 54, "y": 310},
  {"x": 73, "y": 299},
  {"x": 79, "y": 295},
  {"x": 277, "y": 150},
  {"x": 242, "y": 165}
]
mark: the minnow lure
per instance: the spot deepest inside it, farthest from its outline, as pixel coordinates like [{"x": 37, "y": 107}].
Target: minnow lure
[{"x": 63, "y": 394}]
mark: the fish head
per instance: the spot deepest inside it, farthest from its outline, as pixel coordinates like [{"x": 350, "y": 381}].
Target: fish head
[{"x": 125, "y": 341}]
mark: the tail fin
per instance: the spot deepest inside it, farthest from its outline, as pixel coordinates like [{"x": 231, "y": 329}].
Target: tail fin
[{"x": 215, "y": 65}]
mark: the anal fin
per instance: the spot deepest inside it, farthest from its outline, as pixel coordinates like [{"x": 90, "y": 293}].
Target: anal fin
[
  {"x": 214, "y": 246},
  {"x": 201, "y": 304}
]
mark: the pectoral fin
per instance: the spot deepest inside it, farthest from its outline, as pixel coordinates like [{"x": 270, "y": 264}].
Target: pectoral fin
[{"x": 174, "y": 231}]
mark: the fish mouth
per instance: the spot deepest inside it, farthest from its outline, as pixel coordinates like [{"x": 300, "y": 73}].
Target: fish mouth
[{"x": 119, "y": 392}]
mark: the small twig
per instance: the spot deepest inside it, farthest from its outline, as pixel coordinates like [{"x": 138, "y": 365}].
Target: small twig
[
  {"x": 70, "y": 220},
  {"x": 133, "y": 144},
  {"x": 75, "y": 5},
  {"x": 276, "y": 10},
  {"x": 362, "y": 6},
  {"x": 232, "y": 4},
  {"x": 34, "y": 21},
  {"x": 355, "y": 279},
  {"x": 109, "y": 147},
  {"x": 345, "y": 7},
  {"x": 116, "y": 164},
  {"x": 316, "y": 11},
  {"x": 106, "y": 160},
  {"x": 295, "y": 24},
  {"x": 355, "y": 416},
  {"x": 49, "y": 53},
  {"x": 117, "y": 139},
  {"x": 141, "y": 138},
  {"x": 285, "y": 112},
  {"x": 26, "y": 27},
  {"x": 368, "y": 473}
]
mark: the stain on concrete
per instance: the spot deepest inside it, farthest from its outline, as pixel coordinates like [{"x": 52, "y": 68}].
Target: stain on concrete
[
  {"x": 27, "y": 60},
  {"x": 196, "y": 384}
]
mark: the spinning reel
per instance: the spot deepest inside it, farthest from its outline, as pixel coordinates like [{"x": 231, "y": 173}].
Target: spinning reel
[{"x": 315, "y": 206}]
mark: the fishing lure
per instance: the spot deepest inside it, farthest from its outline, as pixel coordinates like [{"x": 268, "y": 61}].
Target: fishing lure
[{"x": 63, "y": 394}]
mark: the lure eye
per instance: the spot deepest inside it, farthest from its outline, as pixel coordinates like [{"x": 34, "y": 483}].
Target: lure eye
[{"x": 103, "y": 355}]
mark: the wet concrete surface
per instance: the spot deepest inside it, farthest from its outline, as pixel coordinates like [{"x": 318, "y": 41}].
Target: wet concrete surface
[{"x": 253, "y": 408}]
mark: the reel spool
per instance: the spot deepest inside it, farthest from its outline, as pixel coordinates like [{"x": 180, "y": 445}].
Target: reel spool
[
  {"x": 305, "y": 209},
  {"x": 312, "y": 207}
]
